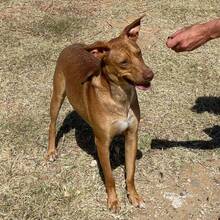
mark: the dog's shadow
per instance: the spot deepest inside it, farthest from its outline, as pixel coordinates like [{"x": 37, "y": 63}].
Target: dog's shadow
[
  {"x": 202, "y": 104},
  {"x": 85, "y": 140}
]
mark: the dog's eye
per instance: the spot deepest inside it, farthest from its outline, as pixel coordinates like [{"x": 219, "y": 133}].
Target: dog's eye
[{"x": 124, "y": 63}]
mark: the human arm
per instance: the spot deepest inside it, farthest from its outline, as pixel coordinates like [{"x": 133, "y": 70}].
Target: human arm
[{"x": 192, "y": 37}]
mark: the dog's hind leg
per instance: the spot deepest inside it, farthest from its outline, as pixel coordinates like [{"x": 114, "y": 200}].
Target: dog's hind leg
[{"x": 57, "y": 99}]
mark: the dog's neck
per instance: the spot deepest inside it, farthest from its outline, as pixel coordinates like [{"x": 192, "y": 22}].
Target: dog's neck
[{"x": 121, "y": 92}]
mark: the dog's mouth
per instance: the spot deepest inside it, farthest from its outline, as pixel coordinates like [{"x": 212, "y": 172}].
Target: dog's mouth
[{"x": 142, "y": 86}]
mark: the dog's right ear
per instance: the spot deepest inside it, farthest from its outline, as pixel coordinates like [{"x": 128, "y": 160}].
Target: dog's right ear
[
  {"x": 133, "y": 29},
  {"x": 99, "y": 49}
]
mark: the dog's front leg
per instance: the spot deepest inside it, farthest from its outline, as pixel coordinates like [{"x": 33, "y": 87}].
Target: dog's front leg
[
  {"x": 130, "y": 157},
  {"x": 103, "y": 154}
]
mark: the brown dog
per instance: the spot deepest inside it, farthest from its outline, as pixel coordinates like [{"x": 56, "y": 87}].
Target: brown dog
[{"x": 99, "y": 81}]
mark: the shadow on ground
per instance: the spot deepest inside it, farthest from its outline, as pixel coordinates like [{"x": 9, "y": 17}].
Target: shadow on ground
[
  {"x": 213, "y": 132},
  {"x": 202, "y": 104},
  {"x": 207, "y": 104},
  {"x": 85, "y": 140}
]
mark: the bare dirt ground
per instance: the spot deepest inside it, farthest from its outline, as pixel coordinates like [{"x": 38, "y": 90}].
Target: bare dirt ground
[{"x": 178, "y": 165}]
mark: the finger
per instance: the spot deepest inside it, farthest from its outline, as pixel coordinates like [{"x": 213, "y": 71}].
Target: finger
[
  {"x": 172, "y": 42},
  {"x": 177, "y": 32},
  {"x": 178, "y": 48}
]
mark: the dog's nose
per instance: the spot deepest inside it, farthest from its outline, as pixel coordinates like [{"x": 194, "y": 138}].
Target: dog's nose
[{"x": 148, "y": 75}]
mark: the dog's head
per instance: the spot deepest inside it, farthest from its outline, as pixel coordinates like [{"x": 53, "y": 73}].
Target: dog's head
[{"x": 121, "y": 58}]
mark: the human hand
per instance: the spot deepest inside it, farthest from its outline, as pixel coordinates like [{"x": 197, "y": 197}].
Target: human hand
[{"x": 189, "y": 38}]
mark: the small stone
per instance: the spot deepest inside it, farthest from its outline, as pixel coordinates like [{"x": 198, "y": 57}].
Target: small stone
[
  {"x": 93, "y": 163},
  {"x": 77, "y": 192},
  {"x": 183, "y": 193},
  {"x": 66, "y": 194},
  {"x": 176, "y": 200},
  {"x": 161, "y": 175}
]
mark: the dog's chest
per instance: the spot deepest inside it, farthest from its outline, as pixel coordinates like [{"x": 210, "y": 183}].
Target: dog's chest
[{"x": 122, "y": 125}]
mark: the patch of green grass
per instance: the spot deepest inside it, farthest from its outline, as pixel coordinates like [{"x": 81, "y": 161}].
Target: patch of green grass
[
  {"x": 54, "y": 26},
  {"x": 144, "y": 142}
]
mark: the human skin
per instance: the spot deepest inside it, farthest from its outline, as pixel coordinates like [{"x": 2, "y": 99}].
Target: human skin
[{"x": 192, "y": 37}]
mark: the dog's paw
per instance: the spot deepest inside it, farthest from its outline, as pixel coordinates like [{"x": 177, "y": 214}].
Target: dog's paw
[
  {"x": 51, "y": 156},
  {"x": 113, "y": 205},
  {"x": 136, "y": 200}
]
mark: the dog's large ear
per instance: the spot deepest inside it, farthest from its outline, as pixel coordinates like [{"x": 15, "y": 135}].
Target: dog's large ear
[
  {"x": 99, "y": 49},
  {"x": 133, "y": 29}
]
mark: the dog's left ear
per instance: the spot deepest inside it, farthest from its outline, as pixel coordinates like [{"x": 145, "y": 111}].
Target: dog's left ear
[
  {"x": 99, "y": 49},
  {"x": 133, "y": 29}
]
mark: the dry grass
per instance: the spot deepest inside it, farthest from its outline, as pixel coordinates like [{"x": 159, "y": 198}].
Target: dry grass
[{"x": 180, "y": 117}]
